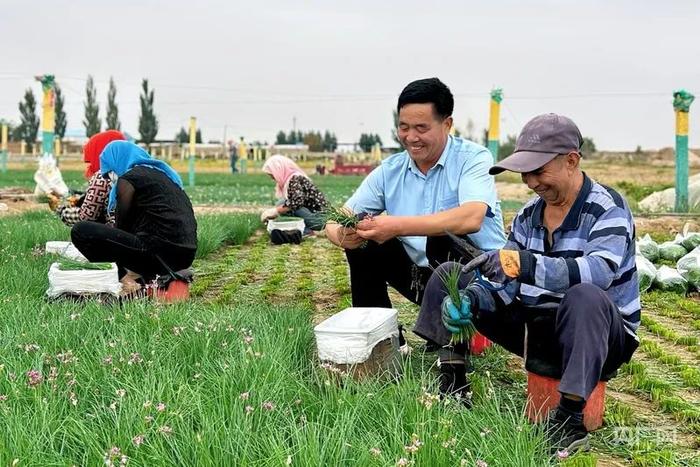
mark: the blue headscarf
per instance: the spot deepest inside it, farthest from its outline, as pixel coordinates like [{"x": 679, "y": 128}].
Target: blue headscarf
[{"x": 121, "y": 156}]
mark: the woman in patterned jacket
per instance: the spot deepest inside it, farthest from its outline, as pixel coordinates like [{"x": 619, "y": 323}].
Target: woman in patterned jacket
[
  {"x": 298, "y": 195},
  {"x": 93, "y": 205}
]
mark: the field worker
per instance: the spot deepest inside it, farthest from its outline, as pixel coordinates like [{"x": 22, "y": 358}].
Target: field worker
[
  {"x": 233, "y": 157},
  {"x": 571, "y": 297},
  {"x": 438, "y": 183},
  {"x": 155, "y": 230},
  {"x": 93, "y": 205},
  {"x": 297, "y": 194}
]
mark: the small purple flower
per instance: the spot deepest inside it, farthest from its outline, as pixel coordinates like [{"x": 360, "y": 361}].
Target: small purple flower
[{"x": 34, "y": 378}]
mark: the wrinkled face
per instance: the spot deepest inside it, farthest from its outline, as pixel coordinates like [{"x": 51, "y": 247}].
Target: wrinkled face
[
  {"x": 553, "y": 181},
  {"x": 423, "y": 133}
]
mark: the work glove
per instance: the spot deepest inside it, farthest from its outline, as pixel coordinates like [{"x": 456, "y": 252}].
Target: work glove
[
  {"x": 497, "y": 265},
  {"x": 268, "y": 214},
  {"x": 453, "y": 318}
]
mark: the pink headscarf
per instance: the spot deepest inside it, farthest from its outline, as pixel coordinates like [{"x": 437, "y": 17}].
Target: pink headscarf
[{"x": 282, "y": 170}]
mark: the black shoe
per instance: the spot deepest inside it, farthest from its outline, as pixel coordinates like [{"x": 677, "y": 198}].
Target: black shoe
[
  {"x": 402, "y": 339},
  {"x": 278, "y": 237},
  {"x": 565, "y": 434},
  {"x": 431, "y": 346},
  {"x": 454, "y": 382}
]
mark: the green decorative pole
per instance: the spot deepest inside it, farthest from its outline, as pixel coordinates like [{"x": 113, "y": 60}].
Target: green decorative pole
[
  {"x": 49, "y": 117},
  {"x": 681, "y": 104},
  {"x": 494, "y": 121},
  {"x": 193, "y": 140}
]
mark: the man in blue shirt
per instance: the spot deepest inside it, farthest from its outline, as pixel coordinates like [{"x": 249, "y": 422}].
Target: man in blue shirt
[
  {"x": 439, "y": 183},
  {"x": 563, "y": 293}
]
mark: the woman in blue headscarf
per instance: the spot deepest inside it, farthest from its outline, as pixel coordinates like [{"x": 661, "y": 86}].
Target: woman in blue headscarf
[{"x": 155, "y": 231}]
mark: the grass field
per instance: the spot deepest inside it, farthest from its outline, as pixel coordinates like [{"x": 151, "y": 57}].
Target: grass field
[{"x": 231, "y": 377}]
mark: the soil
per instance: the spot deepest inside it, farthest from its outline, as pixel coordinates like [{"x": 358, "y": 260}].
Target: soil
[
  {"x": 19, "y": 206},
  {"x": 513, "y": 191}
]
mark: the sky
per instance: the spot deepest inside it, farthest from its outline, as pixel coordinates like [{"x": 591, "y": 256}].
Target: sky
[{"x": 252, "y": 68}]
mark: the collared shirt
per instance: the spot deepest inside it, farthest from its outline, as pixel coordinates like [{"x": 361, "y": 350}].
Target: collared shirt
[
  {"x": 595, "y": 245},
  {"x": 460, "y": 175}
]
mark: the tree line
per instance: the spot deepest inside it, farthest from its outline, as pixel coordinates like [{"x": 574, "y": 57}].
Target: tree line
[
  {"x": 28, "y": 128},
  {"x": 316, "y": 142}
]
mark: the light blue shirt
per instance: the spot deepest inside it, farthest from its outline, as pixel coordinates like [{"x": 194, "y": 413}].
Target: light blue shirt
[{"x": 461, "y": 175}]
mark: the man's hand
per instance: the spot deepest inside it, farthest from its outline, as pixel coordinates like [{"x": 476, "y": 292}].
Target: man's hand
[
  {"x": 497, "y": 265},
  {"x": 455, "y": 319},
  {"x": 53, "y": 201},
  {"x": 268, "y": 214},
  {"x": 378, "y": 228},
  {"x": 343, "y": 237}
]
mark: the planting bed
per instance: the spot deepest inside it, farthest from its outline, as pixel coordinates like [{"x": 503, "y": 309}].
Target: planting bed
[{"x": 231, "y": 375}]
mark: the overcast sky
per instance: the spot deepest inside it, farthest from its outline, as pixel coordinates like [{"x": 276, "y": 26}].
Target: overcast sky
[{"x": 249, "y": 68}]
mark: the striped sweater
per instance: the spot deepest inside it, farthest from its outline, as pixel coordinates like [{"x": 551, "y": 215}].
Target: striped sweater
[{"x": 594, "y": 244}]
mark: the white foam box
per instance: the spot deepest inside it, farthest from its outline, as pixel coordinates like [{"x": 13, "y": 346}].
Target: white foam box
[
  {"x": 286, "y": 225},
  {"x": 83, "y": 281},
  {"x": 361, "y": 342}
]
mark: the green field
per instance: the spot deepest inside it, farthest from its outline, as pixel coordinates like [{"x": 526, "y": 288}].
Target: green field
[{"x": 237, "y": 376}]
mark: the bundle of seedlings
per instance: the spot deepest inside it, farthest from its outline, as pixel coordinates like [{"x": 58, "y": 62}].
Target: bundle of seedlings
[
  {"x": 450, "y": 280},
  {"x": 345, "y": 218},
  {"x": 72, "y": 265}
]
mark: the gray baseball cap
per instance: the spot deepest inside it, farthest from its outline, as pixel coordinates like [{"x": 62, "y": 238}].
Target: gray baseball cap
[{"x": 542, "y": 139}]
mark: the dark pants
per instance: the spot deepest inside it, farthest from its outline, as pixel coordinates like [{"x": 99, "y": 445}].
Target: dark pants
[
  {"x": 376, "y": 266},
  {"x": 312, "y": 220},
  {"x": 100, "y": 243},
  {"x": 582, "y": 342}
]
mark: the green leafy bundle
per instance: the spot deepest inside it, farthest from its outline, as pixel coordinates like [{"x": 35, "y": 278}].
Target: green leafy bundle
[
  {"x": 450, "y": 280},
  {"x": 72, "y": 265}
]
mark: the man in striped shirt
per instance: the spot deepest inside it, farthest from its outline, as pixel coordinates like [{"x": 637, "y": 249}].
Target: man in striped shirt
[{"x": 563, "y": 292}]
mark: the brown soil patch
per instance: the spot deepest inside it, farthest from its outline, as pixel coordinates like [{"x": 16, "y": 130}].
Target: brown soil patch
[
  {"x": 513, "y": 191},
  {"x": 663, "y": 223},
  {"x": 19, "y": 206}
]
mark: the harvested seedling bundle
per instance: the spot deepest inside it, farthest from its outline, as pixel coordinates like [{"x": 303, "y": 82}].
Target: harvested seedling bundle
[
  {"x": 72, "y": 265},
  {"x": 670, "y": 280},
  {"x": 451, "y": 281},
  {"x": 689, "y": 268},
  {"x": 344, "y": 217},
  {"x": 648, "y": 248},
  {"x": 671, "y": 251},
  {"x": 646, "y": 272}
]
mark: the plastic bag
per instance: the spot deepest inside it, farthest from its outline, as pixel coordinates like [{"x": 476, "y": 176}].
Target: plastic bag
[
  {"x": 671, "y": 251},
  {"x": 648, "y": 248},
  {"x": 689, "y": 240},
  {"x": 48, "y": 178},
  {"x": 670, "y": 280},
  {"x": 646, "y": 271},
  {"x": 84, "y": 281},
  {"x": 65, "y": 249},
  {"x": 689, "y": 267},
  {"x": 348, "y": 337}
]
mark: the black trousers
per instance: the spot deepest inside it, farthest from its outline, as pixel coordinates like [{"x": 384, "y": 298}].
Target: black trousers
[
  {"x": 376, "y": 266},
  {"x": 100, "y": 243},
  {"x": 582, "y": 342}
]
